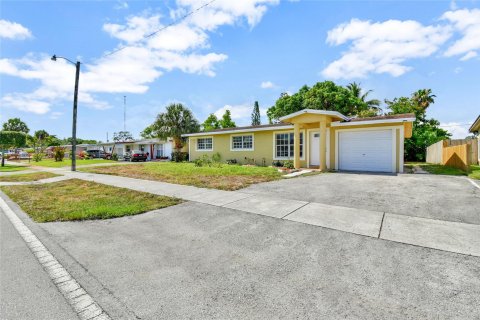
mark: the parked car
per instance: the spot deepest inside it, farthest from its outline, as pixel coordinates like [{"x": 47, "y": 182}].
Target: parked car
[
  {"x": 135, "y": 155},
  {"x": 96, "y": 153}
]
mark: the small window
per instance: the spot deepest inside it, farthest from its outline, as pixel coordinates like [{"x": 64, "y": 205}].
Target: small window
[
  {"x": 316, "y": 135},
  {"x": 242, "y": 142},
  {"x": 205, "y": 144}
]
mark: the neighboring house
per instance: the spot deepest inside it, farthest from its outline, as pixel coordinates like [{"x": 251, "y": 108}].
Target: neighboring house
[
  {"x": 156, "y": 148},
  {"x": 313, "y": 139},
  {"x": 68, "y": 149},
  {"x": 475, "y": 129}
]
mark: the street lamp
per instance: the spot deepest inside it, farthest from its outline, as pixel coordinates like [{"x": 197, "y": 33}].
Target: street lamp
[{"x": 75, "y": 98}]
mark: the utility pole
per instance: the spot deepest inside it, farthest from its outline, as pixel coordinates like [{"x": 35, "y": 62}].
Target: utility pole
[
  {"x": 107, "y": 136},
  {"x": 75, "y": 100},
  {"x": 74, "y": 125}
]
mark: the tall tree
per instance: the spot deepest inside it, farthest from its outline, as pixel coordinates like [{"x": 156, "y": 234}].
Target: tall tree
[
  {"x": 147, "y": 133},
  {"x": 175, "y": 121},
  {"x": 423, "y": 98},
  {"x": 15, "y": 124},
  {"x": 425, "y": 131},
  {"x": 11, "y": 139},
  {"x": 256, "y": 121},
  {"x": 322, "y": 96},
  {"x": 211, "y": 123},
  {"x": 226, "y": 121},
  {"x": 357, "y": 91}
]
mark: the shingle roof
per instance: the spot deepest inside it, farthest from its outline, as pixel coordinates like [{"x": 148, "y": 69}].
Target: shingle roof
[
  {"x": 386, "y": 117},
  {"x": 251, "y": 127}
]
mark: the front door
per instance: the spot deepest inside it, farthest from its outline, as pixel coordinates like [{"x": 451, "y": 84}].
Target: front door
[{"x": 314, "y": 148}]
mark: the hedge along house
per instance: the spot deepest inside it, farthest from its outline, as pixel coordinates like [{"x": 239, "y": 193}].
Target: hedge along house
[{"x": 313, "y": 139}]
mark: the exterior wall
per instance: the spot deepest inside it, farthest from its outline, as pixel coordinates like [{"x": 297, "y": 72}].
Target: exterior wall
[
  {"x": 263, "y": 147},
  {"x": 263, "y": 144}
]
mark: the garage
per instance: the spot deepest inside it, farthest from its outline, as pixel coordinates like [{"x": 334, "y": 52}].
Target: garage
[{"x": 366, "y": 150}]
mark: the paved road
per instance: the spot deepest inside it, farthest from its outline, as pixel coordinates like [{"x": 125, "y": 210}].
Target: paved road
[
  {"x": 446, "y": 198},
  {"x": 206, "y": 262},
  {"x": 27, "y": 292}
]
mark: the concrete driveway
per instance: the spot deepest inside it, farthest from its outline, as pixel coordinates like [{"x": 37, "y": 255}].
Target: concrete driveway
[
  {"x": 197, "y": 261},
  {"x": 446, "y": 198}
]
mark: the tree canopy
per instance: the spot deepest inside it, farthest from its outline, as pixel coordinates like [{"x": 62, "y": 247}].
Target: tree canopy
[
  {"x": 11, "y": 139},
  {"x": 15, "y": 124},
  {"x": 211, "y": 123},
  {"x": 175, "y": 121},
  {"x": 425, "y": 131},
  {"x": 322, "y": 96},
  {"x": 122, "y": 136},
  {"x": 256, "y": 119},
  {"x": 226, "y": 121}
]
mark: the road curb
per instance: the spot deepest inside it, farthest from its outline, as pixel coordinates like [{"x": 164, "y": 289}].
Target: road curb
[{"x": 81, "y": 302}]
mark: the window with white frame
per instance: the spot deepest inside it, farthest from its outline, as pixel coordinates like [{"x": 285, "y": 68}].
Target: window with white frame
[
  {"x": 242, "y": 142},
  {"x": 205, "y": 144},
  {"x": 284, "y": 147}
]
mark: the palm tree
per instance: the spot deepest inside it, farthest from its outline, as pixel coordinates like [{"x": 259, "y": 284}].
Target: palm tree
[
  {"x": 423, "y": 98},
  {"x": 175, "y": 121},
  {"x": 356, "y": 91}
]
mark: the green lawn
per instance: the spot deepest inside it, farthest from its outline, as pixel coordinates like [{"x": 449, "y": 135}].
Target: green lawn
[
  {"x": 82, "y": 200},
  {"x": 445, "y": 170},
  {"x": 67, "y": 162},
  {"x": 226, "y": 177},
  {"x": 12, "y": 167},
  {"x": 35, "y": 176}
]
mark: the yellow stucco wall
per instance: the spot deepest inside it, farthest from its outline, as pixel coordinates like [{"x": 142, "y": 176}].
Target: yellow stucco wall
[{"x": 263, "y": 142}]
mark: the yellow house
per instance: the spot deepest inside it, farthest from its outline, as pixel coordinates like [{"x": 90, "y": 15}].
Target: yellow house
[{"x": 322, "y": 139}]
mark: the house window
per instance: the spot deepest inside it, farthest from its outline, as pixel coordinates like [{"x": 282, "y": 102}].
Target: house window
[
  {"x": 142, "y": 147},
  {"x": 205, "y": 144},
  {"x": 284, "y": 147},
  {"x": 242, "y": 142},
  {"x": 159, "y": 150}
]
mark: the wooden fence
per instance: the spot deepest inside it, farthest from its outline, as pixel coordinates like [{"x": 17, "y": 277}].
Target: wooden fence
[{"x": 454, "y": 153}]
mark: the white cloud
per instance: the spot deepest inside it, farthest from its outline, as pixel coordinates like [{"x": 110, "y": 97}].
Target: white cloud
[
  {"x": 55, "y": 115},
  {"x": 241, "y": 114},
  {"x": 121, "y": 5},
  {"x": 132, "y": 69},
  {"x": 467, "y": 23},
  {"x": 382, "y": 47},
  {"x": 457, "y": 70},
  {"x": 13, "y": 30},
  {"x": 458, "y": 130},
  {"x": 469, "y": 55},
  {"x": 267, "y": 85}
]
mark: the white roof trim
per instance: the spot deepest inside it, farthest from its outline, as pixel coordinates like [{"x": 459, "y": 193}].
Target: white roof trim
[
  {"x": 359, "y": 123},
  {"x": 210, "y": 133},
  {"x": 312, "y": 111}
]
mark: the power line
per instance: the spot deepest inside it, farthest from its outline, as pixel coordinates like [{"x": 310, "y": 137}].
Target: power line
[
  {"x": 456, "y": 125},
  {"x": 163, "y": 28}
]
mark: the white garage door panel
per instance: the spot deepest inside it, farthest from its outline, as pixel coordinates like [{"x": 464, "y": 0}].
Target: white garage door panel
[{"x": 365, "y": 150}]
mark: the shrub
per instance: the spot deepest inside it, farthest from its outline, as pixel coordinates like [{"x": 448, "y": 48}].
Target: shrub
[
  {"x": 114, "y": 157},
  {"x": 37, "y": 157},
  {"x": 277, "y": 163},
  {"x": 59, "y": 153},
  {"x": 84, "y": 155},
  {"x": 179, "y": 156},
  {"x": 288, "y": 164}
]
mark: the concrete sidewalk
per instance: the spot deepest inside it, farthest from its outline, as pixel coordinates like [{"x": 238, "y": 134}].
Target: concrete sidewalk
[{"x": 455, "y": 237}]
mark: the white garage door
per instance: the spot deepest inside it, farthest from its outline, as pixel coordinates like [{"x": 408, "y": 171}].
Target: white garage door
[{"x": 365, "y": 150}]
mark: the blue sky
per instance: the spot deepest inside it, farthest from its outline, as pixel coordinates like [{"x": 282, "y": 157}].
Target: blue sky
[{"x": 229, "y": 54}]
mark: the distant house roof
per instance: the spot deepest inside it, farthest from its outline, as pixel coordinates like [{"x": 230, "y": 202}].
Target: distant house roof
[{"x": 475, "y": 126}]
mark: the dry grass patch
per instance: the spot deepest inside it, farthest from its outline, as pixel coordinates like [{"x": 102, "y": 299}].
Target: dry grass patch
[
  {"x": 27, "y": 177},
  {"x": 226, "y": 177},
  {"x": 81, "y": 200}
]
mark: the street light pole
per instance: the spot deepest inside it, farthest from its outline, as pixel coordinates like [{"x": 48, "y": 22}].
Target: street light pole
[{"x": 75, "y": 99}]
